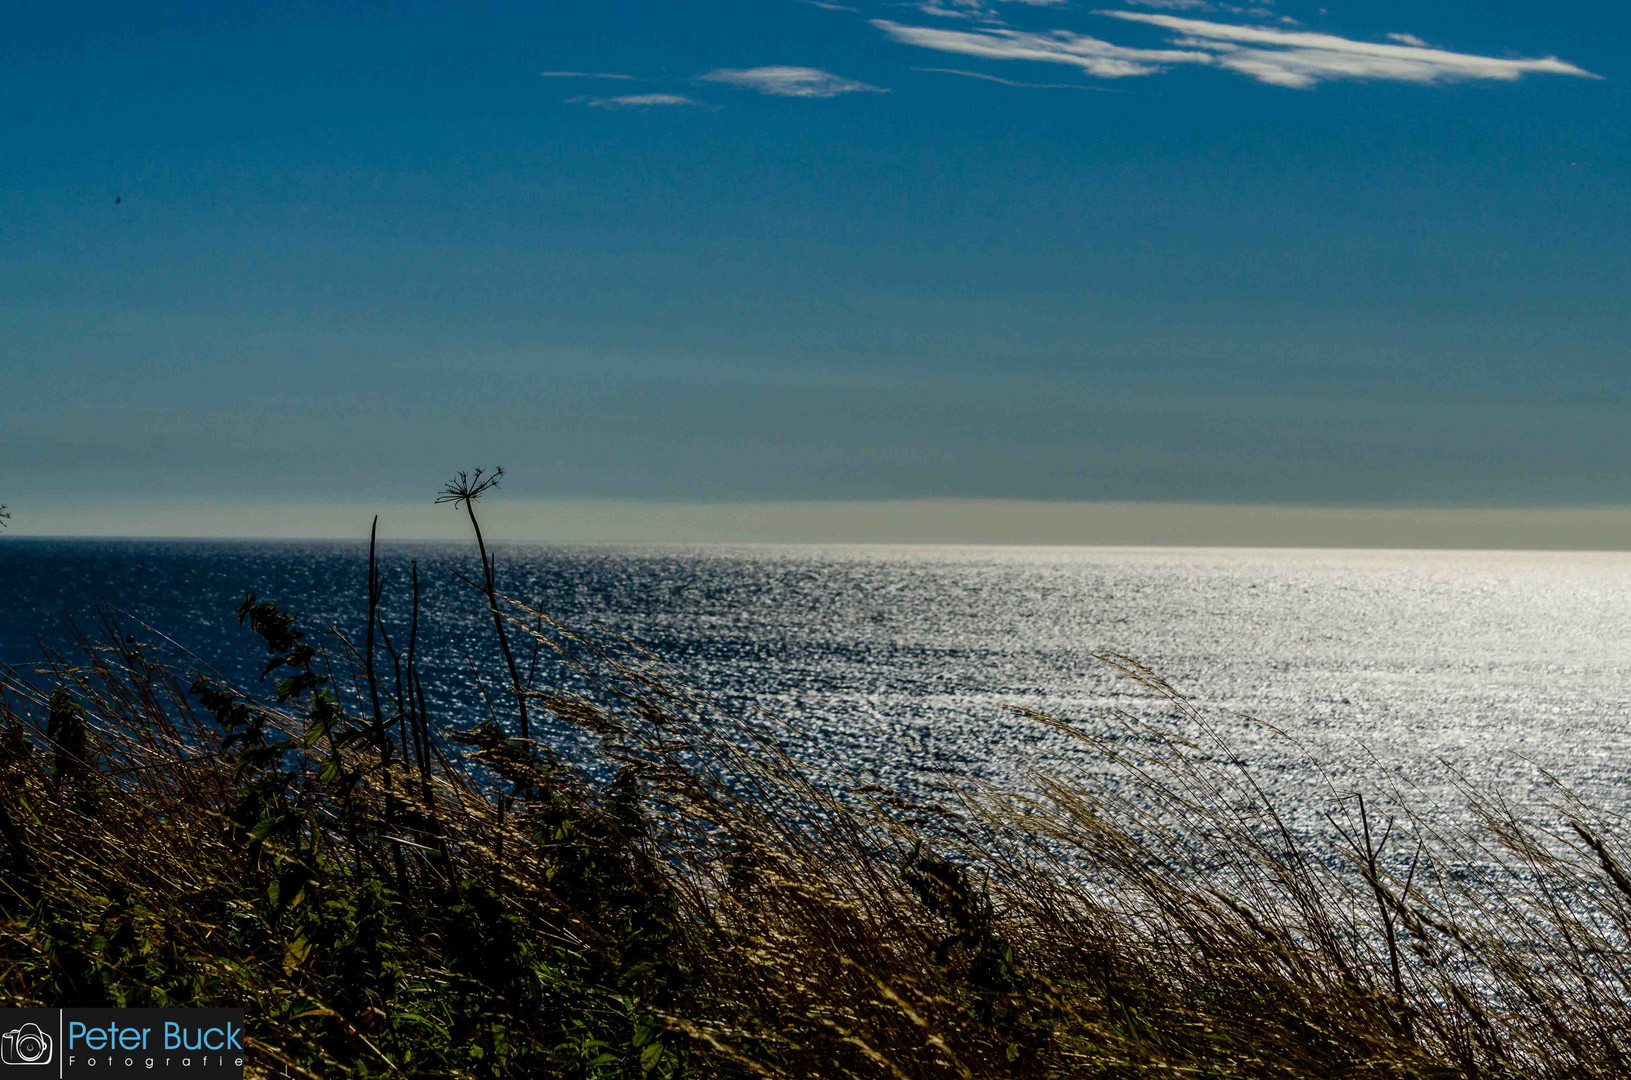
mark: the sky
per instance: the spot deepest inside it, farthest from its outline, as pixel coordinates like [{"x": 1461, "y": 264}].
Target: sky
[{"x": 272, "y": 260}]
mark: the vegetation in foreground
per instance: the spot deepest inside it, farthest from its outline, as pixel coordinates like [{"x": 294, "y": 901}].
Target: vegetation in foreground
[{"x": 691, "y": 902}]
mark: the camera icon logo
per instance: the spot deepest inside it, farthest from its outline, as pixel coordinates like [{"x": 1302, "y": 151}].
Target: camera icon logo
[{"x": 26, "y": 1045}]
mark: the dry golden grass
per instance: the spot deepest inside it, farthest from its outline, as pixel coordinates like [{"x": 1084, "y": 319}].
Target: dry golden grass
[{"x": 691, "y": 900}]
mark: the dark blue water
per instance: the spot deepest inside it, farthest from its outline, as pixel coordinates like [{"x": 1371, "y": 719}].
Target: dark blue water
[{"x": 1500, "y": 664}]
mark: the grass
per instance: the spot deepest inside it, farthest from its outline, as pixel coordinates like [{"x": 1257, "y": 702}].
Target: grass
[{"x": 392, "y": 891}]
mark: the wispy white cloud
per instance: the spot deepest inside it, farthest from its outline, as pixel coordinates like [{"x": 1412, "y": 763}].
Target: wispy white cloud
[
  {"x": 798, "y": 82},
  {"x": 983, "y": 10},
  {"x": 942, "y": 12},
  {"x": 1263, "y": 10},
  {"x": 632, "y": 101},
  {"x": 1274, "y": 55},
  {"x": 1301, "y": 58},
  {"x": 584, "y": 75},
  {"x": 1092, "y": 55},
  {"x": 1408, "y": 39},
  {"x": 1015, "y": 82}
]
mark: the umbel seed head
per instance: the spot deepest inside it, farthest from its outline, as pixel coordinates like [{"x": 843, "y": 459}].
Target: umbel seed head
[{"x": 466, "y": 488}]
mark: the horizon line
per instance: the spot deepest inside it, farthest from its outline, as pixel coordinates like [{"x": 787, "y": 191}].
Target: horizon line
[{"x": 906, "y": 522}]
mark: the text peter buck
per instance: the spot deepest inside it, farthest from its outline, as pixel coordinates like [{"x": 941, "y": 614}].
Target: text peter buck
[{"x": 73, "y": 1044}]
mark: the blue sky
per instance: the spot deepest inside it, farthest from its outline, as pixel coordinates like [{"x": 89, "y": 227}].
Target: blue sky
[{"x": 1366, "y": 253}]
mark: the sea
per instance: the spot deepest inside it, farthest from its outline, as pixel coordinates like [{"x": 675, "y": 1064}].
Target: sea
[{"x": 1322, "y": 670}]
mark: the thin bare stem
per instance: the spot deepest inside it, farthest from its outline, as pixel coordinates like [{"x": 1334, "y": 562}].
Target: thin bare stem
[{"x": 464, "y": 490}]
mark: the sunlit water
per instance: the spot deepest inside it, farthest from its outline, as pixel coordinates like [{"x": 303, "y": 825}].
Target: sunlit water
[{"x": 1500, "y": 666}]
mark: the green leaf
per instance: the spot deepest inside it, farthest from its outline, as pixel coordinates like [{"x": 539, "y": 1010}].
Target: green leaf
[{"x": 295, "y": 953}]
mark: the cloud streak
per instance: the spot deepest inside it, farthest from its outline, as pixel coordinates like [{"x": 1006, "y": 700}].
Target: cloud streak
[
  {"x": 1015, "y": 82},
  {"x": 584, "y": 75},
  {"x": 794, "y": 82},
  {"x": 1090, "y": 54},
  {"x": 1299, "y": 58},
  {"x": 632, "y": 101},
  {"x": 1279, "y": 57},
  {"x": 984, "y": 10}
]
